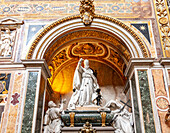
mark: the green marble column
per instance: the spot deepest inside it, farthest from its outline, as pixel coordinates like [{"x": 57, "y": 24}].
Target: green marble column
[
  {"x": 136, "y": 107},
  {"x": 29, "y": 103},
  {"x": 146, "y": 102}
]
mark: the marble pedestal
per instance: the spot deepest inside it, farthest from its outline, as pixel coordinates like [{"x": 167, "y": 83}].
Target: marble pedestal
[{"x": 108, "y": 129}]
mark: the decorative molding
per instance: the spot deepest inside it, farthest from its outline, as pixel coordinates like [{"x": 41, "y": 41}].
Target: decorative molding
[
  {"x": 72, "y": 114},
  {"x": 117, "y": 59},
  {"x": 37, "y": 63},
  {"x": 134, "y": 62},
  {"x": 113, "y": 20},
  {"x": 162, "y": 103},
  {"x": 87, "y": 11},
  {"x": 103, "y": 116},
  {"x": 162, "y": 16},
  {"x": 11, "y": 21}
]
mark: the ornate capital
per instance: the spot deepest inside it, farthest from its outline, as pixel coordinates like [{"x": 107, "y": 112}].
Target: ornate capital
[{"x": 87, "y": 11}]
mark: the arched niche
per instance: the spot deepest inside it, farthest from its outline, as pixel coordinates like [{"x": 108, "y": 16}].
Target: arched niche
[{"x": 107, "y": 42}]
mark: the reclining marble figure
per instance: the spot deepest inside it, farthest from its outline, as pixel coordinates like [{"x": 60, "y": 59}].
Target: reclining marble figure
[{"x": 122, "y": 119}]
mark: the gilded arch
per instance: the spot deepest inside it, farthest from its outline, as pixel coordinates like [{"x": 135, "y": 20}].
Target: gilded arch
[
  {"x": 106, "y": 40},
  {"x": 141, "y": 44}
]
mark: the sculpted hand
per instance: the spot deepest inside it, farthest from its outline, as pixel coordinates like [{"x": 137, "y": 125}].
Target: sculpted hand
[{"x": 81, "y": 59}]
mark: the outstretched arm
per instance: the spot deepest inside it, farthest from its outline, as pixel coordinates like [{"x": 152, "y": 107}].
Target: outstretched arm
[{"x": 79, "y": 67}]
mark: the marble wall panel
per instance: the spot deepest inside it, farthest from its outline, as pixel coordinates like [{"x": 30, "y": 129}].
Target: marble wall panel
[
  {"x": 161, "y": 97},
  {"x": 40, "y": 106},
  {"x": 136, "y": 107},
  {"x": 29, "y": 102},
  {"x": 159, "y": 82},
  {"x": 15, "y": 101},
  {"x": 146, "y": 102}
]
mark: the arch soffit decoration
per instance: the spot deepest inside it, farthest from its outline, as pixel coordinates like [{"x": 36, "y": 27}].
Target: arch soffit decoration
[
  {"x": 137, "y": 48},
  {"x": 49, "y": 46}
]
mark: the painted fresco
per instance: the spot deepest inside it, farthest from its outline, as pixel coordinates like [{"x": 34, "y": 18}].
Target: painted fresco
[
  {"x": 4, "y": 82},
  {"x": 143, "y": 28}
]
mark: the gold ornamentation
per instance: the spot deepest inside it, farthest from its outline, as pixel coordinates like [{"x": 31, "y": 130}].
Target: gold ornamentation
[
  {"x": 162, "y": 103},
  {"x": 164, "y": 25},
  {"x": 72, "y": 114},
  {"x": 87, "y": 49},
  {"x": 166, "y": 38},
  {"x": 87, "y": 11},
  {"x": 57, "y": 61},
  {"x": 87, "y": 128},
  {"x": 163, "y": 21},
  {"x": 103, "y": 115},
  {"x": 60, "y": 58},
  {"x": 116, "y": 59},
  {"x": 90, "y": 34},
  {"x": 113, "y": 20}
]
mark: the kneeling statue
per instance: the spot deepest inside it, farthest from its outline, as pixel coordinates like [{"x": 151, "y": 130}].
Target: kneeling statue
[{"x": 52, "y": 120}]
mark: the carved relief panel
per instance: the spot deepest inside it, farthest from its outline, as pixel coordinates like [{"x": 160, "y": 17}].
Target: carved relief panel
[
  {"x": 7, "y": 40},
  {"x": 8, "y": 32}
]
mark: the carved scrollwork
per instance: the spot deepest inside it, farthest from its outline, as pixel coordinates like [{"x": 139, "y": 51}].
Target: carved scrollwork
[
  {"x": 116, "y": 59},
  {"x": 162, "y": 16},
  {"x": 89, "y": 34},
  {"x": 87, "y": 11},
  {"x": 56, "y": 62},
  {"x": 87, "y": 49}
]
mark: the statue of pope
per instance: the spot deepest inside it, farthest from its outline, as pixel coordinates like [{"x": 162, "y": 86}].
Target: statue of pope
[{"x": 84, "y": 86}]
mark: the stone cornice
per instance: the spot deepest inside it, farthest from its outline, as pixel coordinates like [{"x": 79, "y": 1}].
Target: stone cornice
[
  {"x": 11, "y": 21},
  {"x": 138, "y": 62},
  {"x": 33, "y": 63},
  {"x": 165, "y": 61}
]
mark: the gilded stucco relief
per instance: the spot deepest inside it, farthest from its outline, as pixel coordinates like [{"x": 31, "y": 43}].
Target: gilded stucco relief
[{"x": 163, "y": 19}]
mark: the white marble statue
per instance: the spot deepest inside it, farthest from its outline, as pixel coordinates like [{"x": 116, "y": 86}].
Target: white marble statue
[
  {"x": 84, "y": 86},
  {"x": 52, "y": 121},
  {"x": 122, "y": 120},
  {"x": 7, "y": 41}
]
